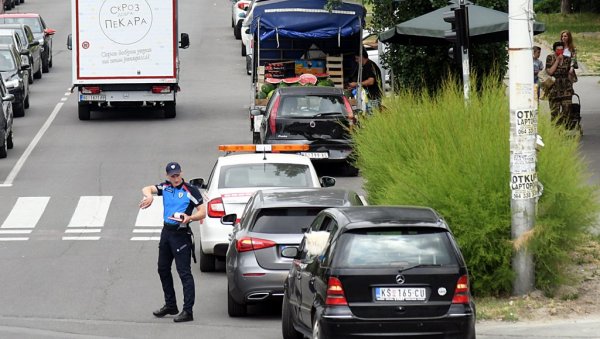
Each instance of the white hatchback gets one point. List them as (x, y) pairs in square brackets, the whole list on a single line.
[(235, 177)]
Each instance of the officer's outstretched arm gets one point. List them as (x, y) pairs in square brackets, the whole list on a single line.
[(148, 193)]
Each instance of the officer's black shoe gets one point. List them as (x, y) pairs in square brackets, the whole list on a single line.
[(165, 310), (183, 316)]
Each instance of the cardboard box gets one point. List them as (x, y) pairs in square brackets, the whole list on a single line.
[(310, 66)]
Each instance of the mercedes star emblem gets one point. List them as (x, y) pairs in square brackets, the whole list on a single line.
[(400, 279)]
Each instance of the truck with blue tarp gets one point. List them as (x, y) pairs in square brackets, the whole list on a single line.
[(290, 37)]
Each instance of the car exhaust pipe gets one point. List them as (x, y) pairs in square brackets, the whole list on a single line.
[(257, 296)]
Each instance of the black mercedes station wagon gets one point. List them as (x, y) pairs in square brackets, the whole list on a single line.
[(378, 271)]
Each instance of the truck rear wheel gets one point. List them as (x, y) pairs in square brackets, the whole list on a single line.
[(170, 110), (84, 111)]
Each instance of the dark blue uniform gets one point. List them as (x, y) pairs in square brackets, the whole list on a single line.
[(176, 242)]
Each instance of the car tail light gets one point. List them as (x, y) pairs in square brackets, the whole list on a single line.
[(252, 244), (273, 116), (351, 117), (90, 90), (461, 292), (335, 293), (215, 208), (161, 89)]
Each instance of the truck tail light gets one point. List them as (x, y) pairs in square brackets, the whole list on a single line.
[(247, 244), (90, 90), (335, 293), (161, 89), (461, 292), (215, 208), (242, 5)]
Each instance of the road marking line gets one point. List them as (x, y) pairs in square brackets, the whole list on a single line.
[(68, 93), (144, 238), (26, 212), (89, 230), (64, 99), (17, 168), (14, 239), (15, 231), (151, 216), (91, 211), (80, 238), (146, 231)]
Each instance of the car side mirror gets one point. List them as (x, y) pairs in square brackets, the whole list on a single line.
[(25, 67), (34, 43), (290, 252), (185, 41), (25, 61), (198, 182), (229, 219), (24, 51), (327, 181), (70, 42), (49, 31), (255, 112), (8, 97)]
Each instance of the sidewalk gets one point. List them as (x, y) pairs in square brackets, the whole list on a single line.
[(585, 327)]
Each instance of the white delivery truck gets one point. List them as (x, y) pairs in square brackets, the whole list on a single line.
[(125, 53)]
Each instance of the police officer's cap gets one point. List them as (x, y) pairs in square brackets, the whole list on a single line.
[(173, 168)]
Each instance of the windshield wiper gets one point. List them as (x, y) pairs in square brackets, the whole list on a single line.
[(326, 114), (416, 266)]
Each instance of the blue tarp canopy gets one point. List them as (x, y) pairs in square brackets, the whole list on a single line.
[(306, 19)]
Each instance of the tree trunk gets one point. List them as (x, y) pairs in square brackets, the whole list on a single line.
[(565, 6)]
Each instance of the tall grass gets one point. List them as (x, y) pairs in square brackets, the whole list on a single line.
[(439, 152)]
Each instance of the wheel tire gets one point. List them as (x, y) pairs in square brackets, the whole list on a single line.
[(9, 141), (45, 64), (237, 31), (22, 1), (38, 74), (350, 170), (84, 111), (287, 325), (50, 58), (234, 309), (170, 110), (255, 138), (243, 49), (316, 329), (26, 102), (30, 77), (19, 110), (3, 147), (207, 261)]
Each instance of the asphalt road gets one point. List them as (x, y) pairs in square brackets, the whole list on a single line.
[(106, 287)]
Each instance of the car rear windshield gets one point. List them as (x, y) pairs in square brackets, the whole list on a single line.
[(312, 106), (7, 63), (284, 220), (394, 247), (33, 23), (265, 175)]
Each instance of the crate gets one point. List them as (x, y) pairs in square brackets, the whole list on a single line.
[(335, 69)]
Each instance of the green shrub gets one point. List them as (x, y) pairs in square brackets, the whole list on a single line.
[(439, 152), (547, 6)]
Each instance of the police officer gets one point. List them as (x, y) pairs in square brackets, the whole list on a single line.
[(182, 204)]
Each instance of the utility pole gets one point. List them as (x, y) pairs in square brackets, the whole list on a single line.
[(523, 133), (458, 18)]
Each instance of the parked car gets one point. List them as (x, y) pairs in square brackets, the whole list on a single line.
[(40, 30), (234, 178), (8, 37), (378, 271), (319, 117), (238, 11), (6, 121), (33, 47), (10, 4), (272, 221), (15, 73)]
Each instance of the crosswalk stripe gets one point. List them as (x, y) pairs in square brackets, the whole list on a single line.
[(14, 239), (26, 212), (138, 230), (91, 211), (93, 230), (151, 216), (80, 238), (144, 238), (15, 231)]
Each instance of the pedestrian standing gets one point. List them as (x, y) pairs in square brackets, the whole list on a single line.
[(561, 93), (370, 80), (182, 204), (538, 66)]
